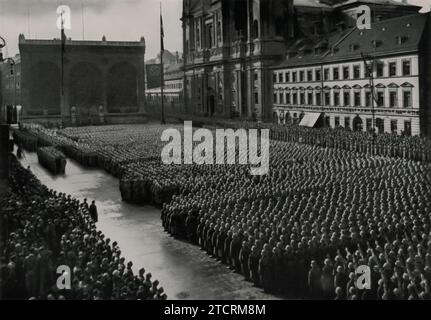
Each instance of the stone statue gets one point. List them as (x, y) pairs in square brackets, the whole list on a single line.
[(101, 114), (73, 115)]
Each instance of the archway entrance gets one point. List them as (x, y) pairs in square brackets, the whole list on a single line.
[(358, 124), (122, 88), (86, 88), (211, 104), (46, 87), (380, 125)]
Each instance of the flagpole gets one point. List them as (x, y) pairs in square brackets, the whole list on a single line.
[(162, 82), (62, 68)]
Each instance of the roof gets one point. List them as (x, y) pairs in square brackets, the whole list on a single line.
[(392, 36), (376, 2)]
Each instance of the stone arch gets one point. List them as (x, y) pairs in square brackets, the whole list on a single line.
[(46, 87), (86, 86), (122, 88), (358, 124)]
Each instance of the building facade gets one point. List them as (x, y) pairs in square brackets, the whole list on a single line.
[(10, 85), (94, 75), (331, 79), (230, 46), (173, 91)]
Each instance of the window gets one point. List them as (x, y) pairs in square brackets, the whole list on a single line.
[(392, 69), (407, 128), (357, 98), (287, 77), (394, 126), (256, 98), (219, 30), (294, 98), (281, 97), (406, 68), (356, 72), (368, 98), (317, 75), (336, 98), (346, 97), (294, 76), (407, 99), (310, 98), (301, 76), (393, 99), (326, 74), (274, 78), (327, 98), (380, 99), (288, 98), (369, 124), (346, 122), (336, 73), (346, 73), (198, 34), (328, 121), (309, 75), (337, 121), (209, 30), (318, 99), (380, 68), (302, 98), (280, 77)]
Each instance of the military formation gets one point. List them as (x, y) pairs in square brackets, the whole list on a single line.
[(42, 229), (304, 229), (52, 159), (333, 201)]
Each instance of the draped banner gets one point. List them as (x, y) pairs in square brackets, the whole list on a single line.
[(153, 72)]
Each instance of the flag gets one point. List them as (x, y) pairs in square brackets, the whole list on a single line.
[(63, 51), (63, 41), (154, 75), (162, 33), (63, 36)]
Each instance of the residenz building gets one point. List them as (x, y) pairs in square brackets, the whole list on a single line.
[(235, 50), (328, 81)]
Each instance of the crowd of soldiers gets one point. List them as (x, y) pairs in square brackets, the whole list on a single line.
[(415, 148), (52, 159), (326, 208), (42, 230), (320, 214)]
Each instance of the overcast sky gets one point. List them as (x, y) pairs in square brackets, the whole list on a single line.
[(116, 19)]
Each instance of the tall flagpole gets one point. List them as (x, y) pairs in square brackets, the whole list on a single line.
[(62, 66), (162, 76)]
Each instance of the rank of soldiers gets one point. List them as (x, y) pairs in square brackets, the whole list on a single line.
[(52, 159)]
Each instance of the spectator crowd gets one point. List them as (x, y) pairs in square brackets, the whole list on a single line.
[(42, 230)]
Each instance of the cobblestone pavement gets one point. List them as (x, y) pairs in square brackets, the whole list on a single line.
[(184, 271)]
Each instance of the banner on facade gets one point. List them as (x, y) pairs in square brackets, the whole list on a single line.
[(154, 76)]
